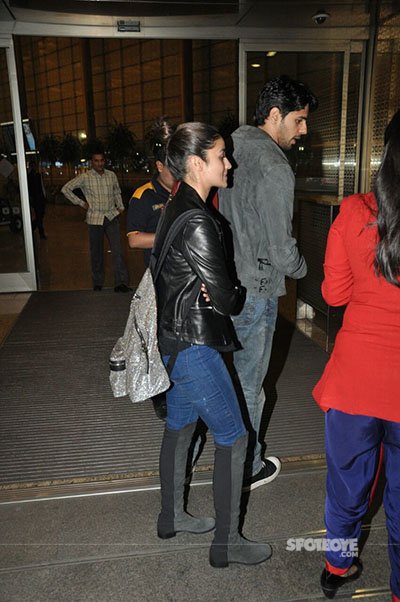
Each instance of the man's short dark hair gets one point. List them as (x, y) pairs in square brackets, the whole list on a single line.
[(286, 94)]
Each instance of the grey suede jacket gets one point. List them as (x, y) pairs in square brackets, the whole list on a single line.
[(259, 208)]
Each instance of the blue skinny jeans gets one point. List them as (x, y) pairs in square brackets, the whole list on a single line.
[(202, 388)]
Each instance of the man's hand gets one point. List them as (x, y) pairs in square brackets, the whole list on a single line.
[(121, 210), (85, 205)]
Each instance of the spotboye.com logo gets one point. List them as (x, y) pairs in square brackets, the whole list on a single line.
[(348, 548)]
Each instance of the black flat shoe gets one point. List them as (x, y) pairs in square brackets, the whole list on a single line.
[(330, 582), (122, 288)]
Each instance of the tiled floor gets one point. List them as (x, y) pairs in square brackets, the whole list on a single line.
[(63, 259), (11, 305), (311, 330)]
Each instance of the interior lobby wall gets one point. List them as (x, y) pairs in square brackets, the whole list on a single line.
[(132, 82)]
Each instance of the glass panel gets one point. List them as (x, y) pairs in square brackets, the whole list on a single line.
[(12, 243), (316, 159), (351, 154), (386, 77)]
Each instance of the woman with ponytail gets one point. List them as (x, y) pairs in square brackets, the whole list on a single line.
[(360, 387), (195, 298)]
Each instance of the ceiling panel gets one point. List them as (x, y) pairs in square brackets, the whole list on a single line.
[(137, 8)]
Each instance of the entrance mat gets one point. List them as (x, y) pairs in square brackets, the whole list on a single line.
[(60, 422)]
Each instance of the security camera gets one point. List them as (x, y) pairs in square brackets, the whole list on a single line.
[(320, 17)]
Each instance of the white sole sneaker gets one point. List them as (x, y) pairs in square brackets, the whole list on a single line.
[(258, 482)]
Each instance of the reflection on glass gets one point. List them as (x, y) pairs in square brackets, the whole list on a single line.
[(12, 243)]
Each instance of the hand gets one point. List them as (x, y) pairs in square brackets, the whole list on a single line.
[(86, 205), (121, 210), (204, 292)]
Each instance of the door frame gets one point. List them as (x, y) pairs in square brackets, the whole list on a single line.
[(19, 281), (300, 46)]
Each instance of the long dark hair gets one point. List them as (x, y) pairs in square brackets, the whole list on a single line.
[(387, 192), (192, 138)]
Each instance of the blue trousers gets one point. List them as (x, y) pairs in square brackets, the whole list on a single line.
[(255, 327), (202, 388), (353, 446)]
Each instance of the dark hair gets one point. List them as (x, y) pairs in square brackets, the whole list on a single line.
[(97, 151), (284, 93), (387, 192), (158, 136), (192, 138)]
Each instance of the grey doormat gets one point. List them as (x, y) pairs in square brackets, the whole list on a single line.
[(60, 423)]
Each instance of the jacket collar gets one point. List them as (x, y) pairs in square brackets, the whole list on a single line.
[(160, 190), (189, 196), (252, 132)]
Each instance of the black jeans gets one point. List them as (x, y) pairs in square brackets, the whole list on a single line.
[(96, 241)]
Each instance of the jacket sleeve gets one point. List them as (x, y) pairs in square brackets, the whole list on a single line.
[(203, 250), (337, 286), (72, 185), (276, 215)]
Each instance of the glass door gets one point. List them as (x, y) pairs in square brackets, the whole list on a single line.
[(326, 161), (17, 265)]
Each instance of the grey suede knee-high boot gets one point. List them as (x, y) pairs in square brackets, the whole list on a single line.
[(173, 459), (228, 545)]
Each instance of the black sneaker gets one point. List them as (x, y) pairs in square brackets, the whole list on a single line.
[(122, 288), (270, 469)]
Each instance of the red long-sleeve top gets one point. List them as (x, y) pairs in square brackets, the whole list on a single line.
[(362, 375)]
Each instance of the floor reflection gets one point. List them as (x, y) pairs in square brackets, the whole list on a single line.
[(12, 251), (63, 259)]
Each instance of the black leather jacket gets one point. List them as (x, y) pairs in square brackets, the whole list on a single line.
[(196, 256)]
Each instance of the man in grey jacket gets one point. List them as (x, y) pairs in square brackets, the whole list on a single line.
[(259, 207)]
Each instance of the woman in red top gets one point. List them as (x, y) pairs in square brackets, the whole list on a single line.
[(360, 387)]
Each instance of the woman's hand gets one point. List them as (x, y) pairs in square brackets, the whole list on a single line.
[(204, 292)]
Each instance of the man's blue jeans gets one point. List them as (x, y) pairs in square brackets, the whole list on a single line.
[(202, 388), (255, 327)]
